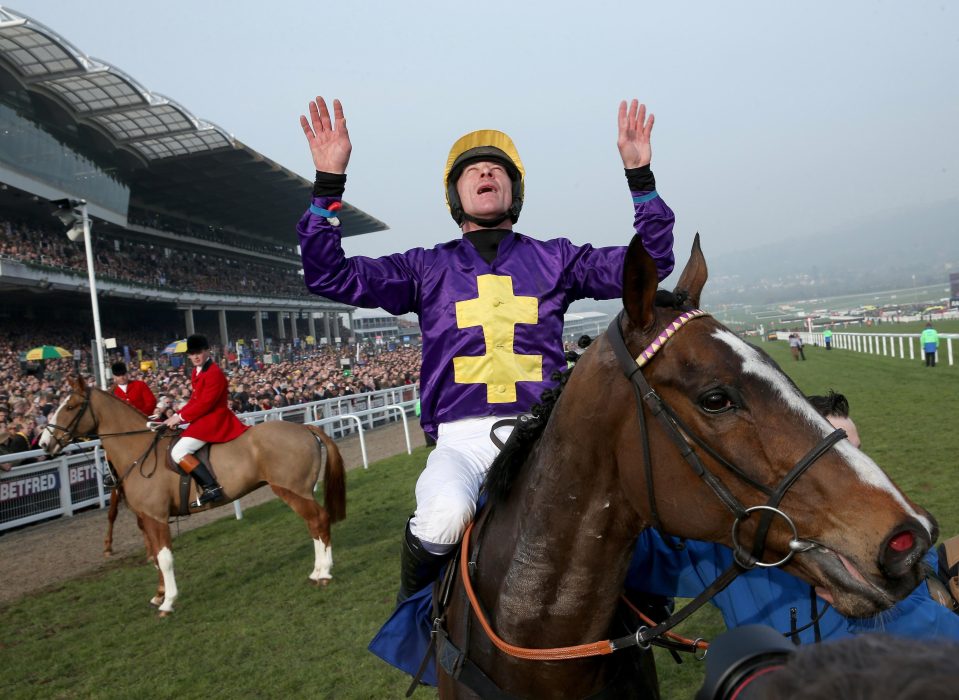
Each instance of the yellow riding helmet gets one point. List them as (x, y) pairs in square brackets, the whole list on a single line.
[(486, 144)]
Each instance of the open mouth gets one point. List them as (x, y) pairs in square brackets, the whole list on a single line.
[(846, 589), (485, 188)]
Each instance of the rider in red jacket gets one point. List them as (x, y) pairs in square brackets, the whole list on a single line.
[(135, 392), (209, 417)]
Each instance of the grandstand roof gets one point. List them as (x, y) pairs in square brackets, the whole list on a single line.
[(175, 162)]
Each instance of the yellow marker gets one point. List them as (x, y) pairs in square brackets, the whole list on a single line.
[(497, 310)]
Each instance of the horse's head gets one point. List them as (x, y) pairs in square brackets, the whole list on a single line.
[(72, 419), (762, 444)]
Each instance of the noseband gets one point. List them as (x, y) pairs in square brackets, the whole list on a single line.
[(681, 435), (68, 430)]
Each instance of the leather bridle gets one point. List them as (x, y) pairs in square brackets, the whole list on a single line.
[(681, 436)]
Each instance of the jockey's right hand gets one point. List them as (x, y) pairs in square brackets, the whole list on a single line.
[(329, 141)]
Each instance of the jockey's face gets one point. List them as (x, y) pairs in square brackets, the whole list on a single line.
[(198, 357), (485, 190)]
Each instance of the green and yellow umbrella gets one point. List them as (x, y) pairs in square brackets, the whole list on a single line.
[(46, 352), (175, 347)]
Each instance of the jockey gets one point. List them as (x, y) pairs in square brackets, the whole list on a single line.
[(490, 304), (209, 417), (135, 393)]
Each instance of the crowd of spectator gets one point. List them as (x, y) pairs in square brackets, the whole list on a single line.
[(31, 391), (171, 224), (149, 264)]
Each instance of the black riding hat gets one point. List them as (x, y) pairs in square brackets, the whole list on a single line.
[(118, 369), (196, 343)]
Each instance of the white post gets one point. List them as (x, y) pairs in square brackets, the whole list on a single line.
[(88, 247), (902, 354), (949, 349), (884, 345), (912, 355)]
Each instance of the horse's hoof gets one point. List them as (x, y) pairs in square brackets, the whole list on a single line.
[(108, 553), (156, 602), (320, 583), (164, 613)]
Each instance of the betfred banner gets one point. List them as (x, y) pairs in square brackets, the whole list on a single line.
[(28, 486)]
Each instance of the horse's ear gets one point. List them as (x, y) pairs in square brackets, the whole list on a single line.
[(694, 274), (77, 384), (639, 285)]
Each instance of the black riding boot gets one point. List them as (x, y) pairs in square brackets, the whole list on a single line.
[(418, 568), (212, 491)]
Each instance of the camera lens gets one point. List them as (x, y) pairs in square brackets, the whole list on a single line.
[(738, 657)]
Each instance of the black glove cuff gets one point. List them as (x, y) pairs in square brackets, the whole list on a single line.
[(640, 179), (329, 184)]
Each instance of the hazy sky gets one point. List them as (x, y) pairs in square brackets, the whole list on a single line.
[(773, 120)]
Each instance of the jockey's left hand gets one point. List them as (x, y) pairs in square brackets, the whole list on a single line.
[(634, 133)]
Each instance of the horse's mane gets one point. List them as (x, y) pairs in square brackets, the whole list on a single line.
[(508, 463)]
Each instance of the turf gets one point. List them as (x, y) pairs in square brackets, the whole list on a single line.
[(248, 625)]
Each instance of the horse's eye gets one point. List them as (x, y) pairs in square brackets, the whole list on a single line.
[(716, 401)]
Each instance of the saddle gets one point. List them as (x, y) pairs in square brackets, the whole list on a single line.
[(203, 454)]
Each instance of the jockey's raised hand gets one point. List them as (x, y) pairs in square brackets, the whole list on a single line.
[(329, 141), (634, 132)]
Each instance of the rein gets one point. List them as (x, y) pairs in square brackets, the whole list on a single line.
[(646, 397), (68, 431)]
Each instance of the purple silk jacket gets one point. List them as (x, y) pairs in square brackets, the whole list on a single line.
[(492, 333)]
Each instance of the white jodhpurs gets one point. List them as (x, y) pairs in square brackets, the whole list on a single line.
[(448, 487), (185, 446)]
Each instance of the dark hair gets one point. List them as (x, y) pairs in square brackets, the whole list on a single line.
[(832, 404), (866, 667)]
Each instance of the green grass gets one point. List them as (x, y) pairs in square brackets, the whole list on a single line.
[(248, 625)]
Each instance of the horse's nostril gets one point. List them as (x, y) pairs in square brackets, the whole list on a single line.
[(902, 542)]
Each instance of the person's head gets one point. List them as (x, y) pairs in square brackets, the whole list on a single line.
[(119, 370), (835, 408), (484, 180), (197, 349)]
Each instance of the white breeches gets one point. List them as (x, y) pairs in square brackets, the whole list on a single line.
[(449, 486), (185, 446)]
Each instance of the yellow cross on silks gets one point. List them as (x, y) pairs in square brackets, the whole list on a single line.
[(497, 310)]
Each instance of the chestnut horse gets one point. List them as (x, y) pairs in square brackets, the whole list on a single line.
[(287, 456), (548, 554)]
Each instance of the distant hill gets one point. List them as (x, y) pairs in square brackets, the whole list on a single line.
[(879, 253), (882, 252)]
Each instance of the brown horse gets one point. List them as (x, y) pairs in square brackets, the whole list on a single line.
[(286, 456), (548, 554)]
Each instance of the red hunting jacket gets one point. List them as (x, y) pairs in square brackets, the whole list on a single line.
[(207, 412), (138, 395)]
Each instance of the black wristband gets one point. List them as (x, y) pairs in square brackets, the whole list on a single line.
[(640, 179), (329, 184)]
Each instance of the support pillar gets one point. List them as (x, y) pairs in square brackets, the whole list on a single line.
[(311, 326), (258, 321), (188, 315), (293, 331), (224, 336), (326, 328), (280, 327), (350, 331)]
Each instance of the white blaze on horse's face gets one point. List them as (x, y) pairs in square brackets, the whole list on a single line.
[(864, 468), (46, 437)]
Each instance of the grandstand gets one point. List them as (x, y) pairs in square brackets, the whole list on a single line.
[(193, 230)]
